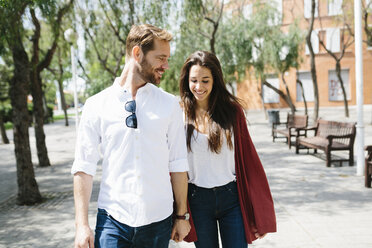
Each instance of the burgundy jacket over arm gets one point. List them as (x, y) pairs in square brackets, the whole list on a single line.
[(255, 198)]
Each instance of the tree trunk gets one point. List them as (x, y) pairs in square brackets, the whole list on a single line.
[(3, 131), (63, 100), (28, 190), (288, 96), (60, 86), (312, 63), (303, 95), (47, 116), (338, 72), (280, 93), (38, 111)]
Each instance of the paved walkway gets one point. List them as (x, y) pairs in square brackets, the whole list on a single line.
[(316, 206)]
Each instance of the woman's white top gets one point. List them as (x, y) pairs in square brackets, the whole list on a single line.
[(208, 169)]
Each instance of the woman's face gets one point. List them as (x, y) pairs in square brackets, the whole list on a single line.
[(201, 83)]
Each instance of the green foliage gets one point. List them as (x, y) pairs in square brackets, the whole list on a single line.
[(50, 92), (106, 25), (6, 112), (69, 99)]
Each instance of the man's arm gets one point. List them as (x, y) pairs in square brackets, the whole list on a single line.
[(179, 184), (83, 184)]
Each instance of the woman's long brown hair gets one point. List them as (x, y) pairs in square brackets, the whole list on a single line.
[(222, 105)]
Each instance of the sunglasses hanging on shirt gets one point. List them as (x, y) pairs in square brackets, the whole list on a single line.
[(131, 121)]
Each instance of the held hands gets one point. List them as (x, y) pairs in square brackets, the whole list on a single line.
[(256, 234), (180, 230), (84, 237)]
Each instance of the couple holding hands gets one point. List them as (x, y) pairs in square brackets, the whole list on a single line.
[(170, 169)]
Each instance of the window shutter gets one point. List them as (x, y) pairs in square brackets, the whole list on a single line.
[(307, 8), (334, 7), (247, 11), (333, 39)]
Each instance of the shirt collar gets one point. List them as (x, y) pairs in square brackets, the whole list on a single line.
[(121, 91)]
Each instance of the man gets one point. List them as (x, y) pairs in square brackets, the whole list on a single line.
[(138, 129)]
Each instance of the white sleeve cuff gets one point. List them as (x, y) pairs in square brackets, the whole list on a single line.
[(84, 166), (180, 165)]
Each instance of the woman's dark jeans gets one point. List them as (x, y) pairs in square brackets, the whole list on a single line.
[(217, 205), (112, 234)]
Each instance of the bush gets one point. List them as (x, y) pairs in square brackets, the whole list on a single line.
[(6, 112)]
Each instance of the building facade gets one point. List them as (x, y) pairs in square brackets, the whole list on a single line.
[(329, 28)]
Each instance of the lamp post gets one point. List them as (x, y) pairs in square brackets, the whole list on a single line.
[(359, 85), (71, 37)]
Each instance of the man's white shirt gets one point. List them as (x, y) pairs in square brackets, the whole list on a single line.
[(135, 186)]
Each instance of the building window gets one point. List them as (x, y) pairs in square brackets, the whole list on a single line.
[(307, 8), (333, 39), (270, 96), (277, 19), (247, 11), (334, 86), (257, 46), (334, 7), (314, 43), (307, 83)]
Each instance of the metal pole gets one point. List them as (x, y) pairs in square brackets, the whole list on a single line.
[(76, 102), (359, 86)]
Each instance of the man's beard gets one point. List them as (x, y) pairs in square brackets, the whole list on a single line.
[(147, 73)]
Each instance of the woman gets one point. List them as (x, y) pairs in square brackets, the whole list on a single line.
[(227, 184)]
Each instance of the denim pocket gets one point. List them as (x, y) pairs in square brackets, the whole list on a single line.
[(232, 188), (192, 192)]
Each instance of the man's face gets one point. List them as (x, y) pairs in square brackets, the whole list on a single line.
[(154, 64)]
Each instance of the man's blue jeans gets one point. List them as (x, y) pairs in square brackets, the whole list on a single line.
[(217, 205), (113, 234)]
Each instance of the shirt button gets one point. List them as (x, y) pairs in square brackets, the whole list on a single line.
[(137, 157), (136, 137)]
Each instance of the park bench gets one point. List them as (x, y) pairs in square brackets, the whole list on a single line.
[(368, 167), (329, 136), (289, 128)]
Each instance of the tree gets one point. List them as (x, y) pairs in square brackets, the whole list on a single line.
[(5, 76), (284, 55), (274, 51), (346, 39), (12, 34), (59, 74), (53, 14), (312, 60), (207, 13), (367, 10), (106, 24)]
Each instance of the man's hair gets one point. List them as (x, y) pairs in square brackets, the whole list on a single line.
[(144, 36)]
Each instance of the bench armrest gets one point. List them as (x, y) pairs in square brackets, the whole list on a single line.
[(306, 128), (331, 137), (304, 131), (368, 148), (275, 124), (339, 136)]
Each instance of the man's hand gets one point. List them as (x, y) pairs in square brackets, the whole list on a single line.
[(180, 230), (257, 234), (84, 237)]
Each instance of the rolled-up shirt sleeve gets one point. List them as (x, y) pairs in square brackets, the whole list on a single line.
[(177, 142), (88, 140)]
